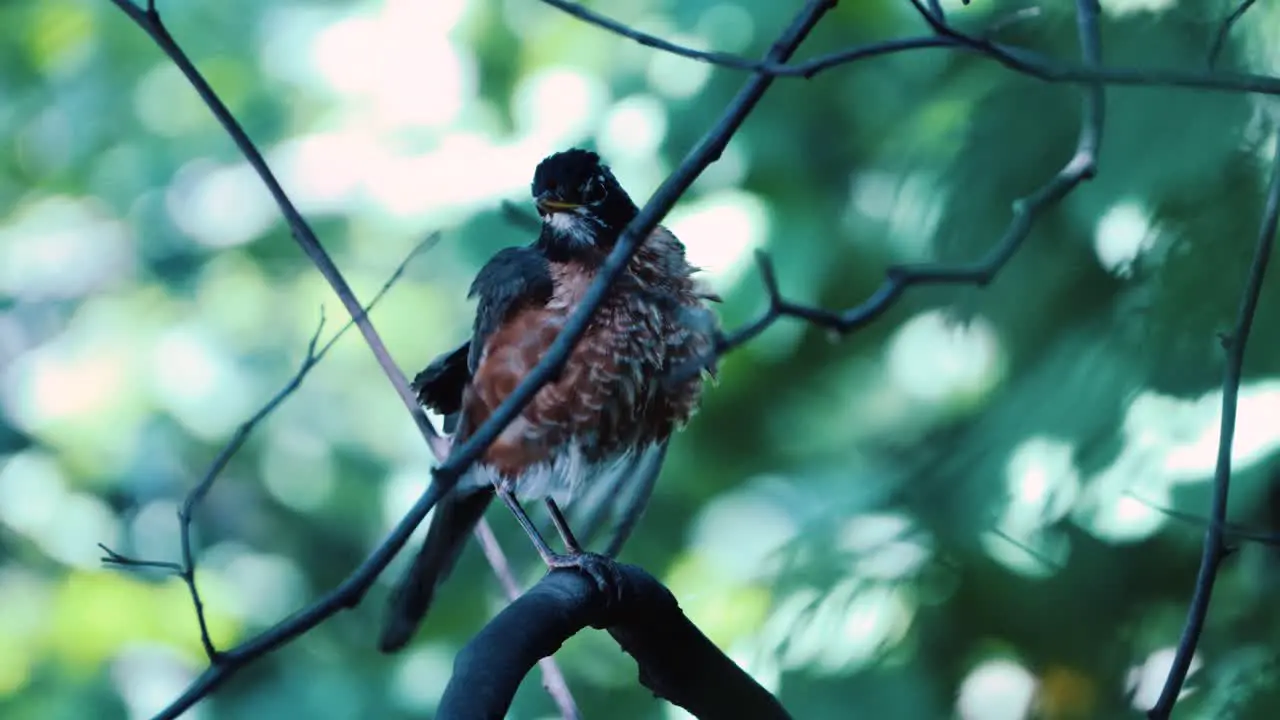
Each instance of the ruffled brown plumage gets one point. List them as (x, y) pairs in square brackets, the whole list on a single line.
[(610, 395)]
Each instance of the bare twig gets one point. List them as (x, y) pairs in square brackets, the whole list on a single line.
[(1214, 546), (186, 569), (1230, 530), (676, 661), (1080, 167), (935, 7), (946, 36), (1220, 39)]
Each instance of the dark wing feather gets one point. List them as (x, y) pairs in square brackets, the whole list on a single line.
[(439, 387), (454, 519), (515, 278)]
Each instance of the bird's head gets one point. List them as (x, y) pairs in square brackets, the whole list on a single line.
[(583, 208)]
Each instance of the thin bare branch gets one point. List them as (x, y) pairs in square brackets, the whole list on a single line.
[(186, 569), (1224, 30), (1214, 545), (935, 7), (150, 22), (1080, 167), (946, 36), (1230, 530)]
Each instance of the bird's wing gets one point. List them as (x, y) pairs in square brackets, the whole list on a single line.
[(514, 278), (439, 387)]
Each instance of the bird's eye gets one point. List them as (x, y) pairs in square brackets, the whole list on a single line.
[(594, 192)]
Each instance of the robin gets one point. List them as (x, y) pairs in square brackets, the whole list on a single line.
[(609, 414)]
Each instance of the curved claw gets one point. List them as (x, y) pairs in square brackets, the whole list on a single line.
[(602, 570)]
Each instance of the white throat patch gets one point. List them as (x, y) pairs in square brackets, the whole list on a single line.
[(573, 225)]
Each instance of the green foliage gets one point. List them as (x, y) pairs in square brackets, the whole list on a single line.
[(970, 480)]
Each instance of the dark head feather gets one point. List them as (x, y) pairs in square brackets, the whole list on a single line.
[(566, 171), (583, 206)]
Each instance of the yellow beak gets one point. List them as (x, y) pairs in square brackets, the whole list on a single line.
[(546, 205)]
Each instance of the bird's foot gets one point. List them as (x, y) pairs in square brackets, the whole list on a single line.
[(602, 570)]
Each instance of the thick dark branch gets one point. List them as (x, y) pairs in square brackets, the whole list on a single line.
[(1214, 545), (1080, 167), (1220, 39), (676, 661)]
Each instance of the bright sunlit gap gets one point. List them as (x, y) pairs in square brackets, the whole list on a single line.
[(1042, 485), (61, 247), (257, 587), (843, 628), (1145, 680), (944, 364), (1169, 442), (421, 676), (220, 205), (149, 675), (997, 690), (720, 232), (1122, 8), (1123, 233), (66, 525), (908, 206)]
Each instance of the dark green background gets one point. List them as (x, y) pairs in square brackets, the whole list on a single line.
[(858, 548)]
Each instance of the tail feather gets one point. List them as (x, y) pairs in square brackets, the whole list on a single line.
[(455, 517)]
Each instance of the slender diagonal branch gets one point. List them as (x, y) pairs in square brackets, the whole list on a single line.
[(935, 7), (149, 21), (1214, 545)]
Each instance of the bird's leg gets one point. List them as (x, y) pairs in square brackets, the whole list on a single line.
[(522, 517), (562, 527), (599, 568)]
